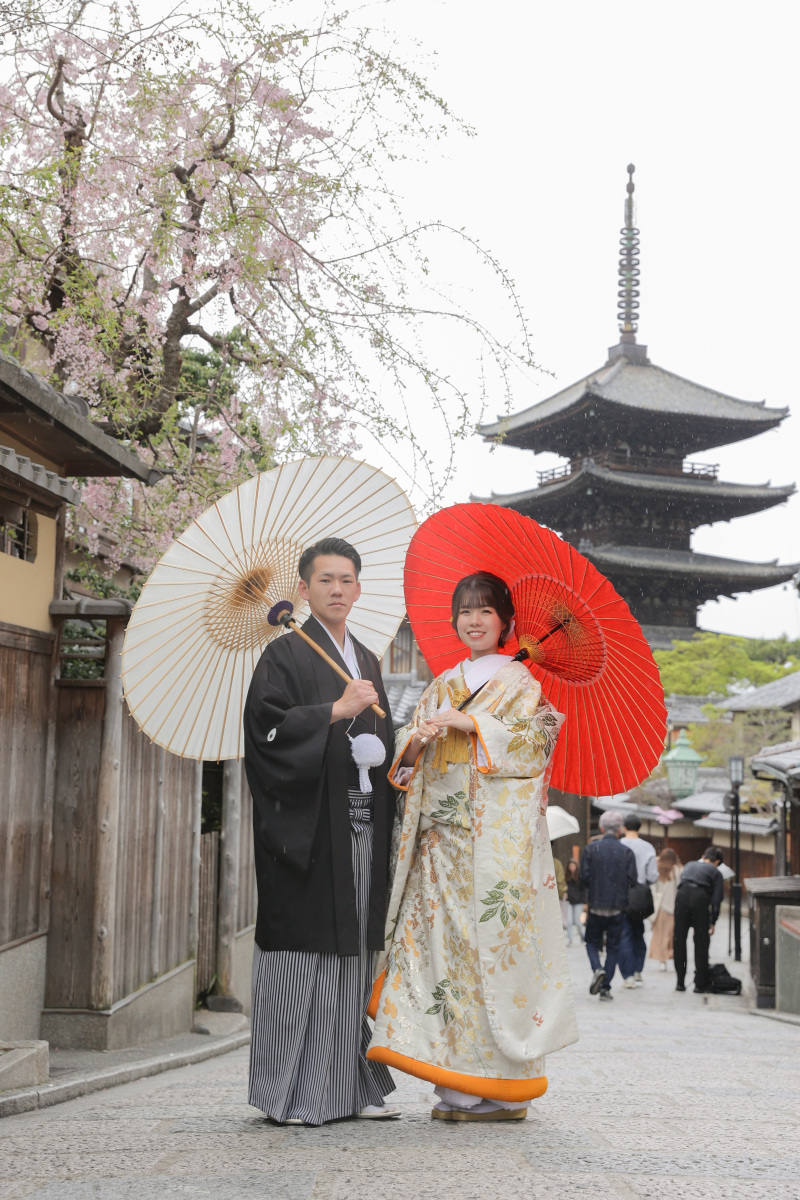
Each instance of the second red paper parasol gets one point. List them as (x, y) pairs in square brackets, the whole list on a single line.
[(586, 649)]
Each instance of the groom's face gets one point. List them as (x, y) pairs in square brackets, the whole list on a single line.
[(332, 589)]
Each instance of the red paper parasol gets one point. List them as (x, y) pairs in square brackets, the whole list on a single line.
[(586, 649)]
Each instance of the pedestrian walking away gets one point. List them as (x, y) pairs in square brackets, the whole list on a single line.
[(322, 834), (608, 871), (665, 890), (646, 874), (697, 905), (576, 900)]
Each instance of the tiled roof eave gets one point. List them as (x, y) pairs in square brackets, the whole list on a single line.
[(683, 485), (33, 473), (692, 400), (689, 563)]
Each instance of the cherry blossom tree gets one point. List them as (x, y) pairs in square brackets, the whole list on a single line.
[(198, 237)]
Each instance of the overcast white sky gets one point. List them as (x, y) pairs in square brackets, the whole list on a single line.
[(702, 98)]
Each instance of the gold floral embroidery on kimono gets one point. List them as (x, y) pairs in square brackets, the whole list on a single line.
[(476, 988)]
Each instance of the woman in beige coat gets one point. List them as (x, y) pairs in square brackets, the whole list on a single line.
[(664, 891)]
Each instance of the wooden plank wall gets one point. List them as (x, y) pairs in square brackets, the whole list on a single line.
[(25, 665), (79, 731), (79, 723), (142, 763), (247, 900)]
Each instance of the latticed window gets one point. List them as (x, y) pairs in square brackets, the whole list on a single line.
[(17, 532)]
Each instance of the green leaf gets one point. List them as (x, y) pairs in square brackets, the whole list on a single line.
[(487, 916), (433, 1010)]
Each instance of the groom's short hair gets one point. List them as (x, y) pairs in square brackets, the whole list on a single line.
[(328, 545)]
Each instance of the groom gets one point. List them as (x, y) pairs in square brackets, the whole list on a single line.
[(322, 858)]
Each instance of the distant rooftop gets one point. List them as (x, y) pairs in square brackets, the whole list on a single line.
[(780, 693)]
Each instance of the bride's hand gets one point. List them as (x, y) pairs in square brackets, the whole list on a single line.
[(427, 731), (453, 719)]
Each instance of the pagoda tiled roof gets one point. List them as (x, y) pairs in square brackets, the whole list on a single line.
[(745, 496), (688, 563), (646, 388)]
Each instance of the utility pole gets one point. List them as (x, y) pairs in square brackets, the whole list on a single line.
[(736, 771)]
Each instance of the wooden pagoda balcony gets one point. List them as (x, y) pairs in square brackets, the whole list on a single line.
[(643, 464)]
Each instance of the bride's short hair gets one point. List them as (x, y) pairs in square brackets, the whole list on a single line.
[(482, 588)]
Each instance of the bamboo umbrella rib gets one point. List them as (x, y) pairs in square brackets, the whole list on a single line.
[(333, 512), (227, 693), (310, 510), (195, 570), (181, 652), (623, 694), (599, 712), (169, 699), (170, 583), (359, 502), (272, 496), (613, 700), (225, 558), (255, 510), (188, 608), (317, 518), (208, 679)]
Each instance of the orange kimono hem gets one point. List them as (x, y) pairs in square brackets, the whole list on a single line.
[(374, 1000), (510, 1090)]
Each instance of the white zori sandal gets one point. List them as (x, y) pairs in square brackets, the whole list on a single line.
[(378, 1112)]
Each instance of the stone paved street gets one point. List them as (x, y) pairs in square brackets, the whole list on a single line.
[(665, 1096)]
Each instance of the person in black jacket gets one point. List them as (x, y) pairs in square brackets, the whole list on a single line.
[(697, 905), (322, 842), (608, 870)]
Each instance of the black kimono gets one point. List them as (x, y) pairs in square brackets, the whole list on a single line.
[(322, 858)]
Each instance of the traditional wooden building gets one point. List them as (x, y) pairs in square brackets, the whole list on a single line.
[(114, 905), (628, 496)]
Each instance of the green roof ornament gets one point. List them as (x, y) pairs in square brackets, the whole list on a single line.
[(682, 763)]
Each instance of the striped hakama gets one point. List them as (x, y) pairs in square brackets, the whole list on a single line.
[(309, 1026)]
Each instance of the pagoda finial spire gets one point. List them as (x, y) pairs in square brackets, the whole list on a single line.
[(628, 294)]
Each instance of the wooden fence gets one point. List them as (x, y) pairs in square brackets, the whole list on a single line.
[(155, 848), (25, 789)]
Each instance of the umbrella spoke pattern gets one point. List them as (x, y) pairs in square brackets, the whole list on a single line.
[(200, 624), (585, 647)]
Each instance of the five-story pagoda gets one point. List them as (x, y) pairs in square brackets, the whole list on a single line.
[(627, 497)]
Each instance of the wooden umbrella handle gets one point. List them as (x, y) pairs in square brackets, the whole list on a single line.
[(328, 659)]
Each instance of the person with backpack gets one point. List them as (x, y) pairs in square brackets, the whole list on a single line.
[(646, 874), (697, 905)]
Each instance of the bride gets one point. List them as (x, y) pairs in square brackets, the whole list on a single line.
[(475, 989)]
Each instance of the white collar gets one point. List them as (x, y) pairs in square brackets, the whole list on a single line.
[(348, 653)]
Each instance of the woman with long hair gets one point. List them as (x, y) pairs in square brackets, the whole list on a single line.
[(665, 890), (476, 989)]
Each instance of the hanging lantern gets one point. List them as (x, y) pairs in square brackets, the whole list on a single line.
[(682, 763)]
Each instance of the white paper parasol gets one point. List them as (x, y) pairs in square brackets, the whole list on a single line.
[(560, 822), (200, 624)]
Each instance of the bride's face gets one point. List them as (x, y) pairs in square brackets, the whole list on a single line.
[(480, 629)]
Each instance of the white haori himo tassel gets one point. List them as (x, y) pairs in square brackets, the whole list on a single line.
[(368, 751)]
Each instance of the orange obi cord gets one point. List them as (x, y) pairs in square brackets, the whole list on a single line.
[(510, 1090), (374, 1000)]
